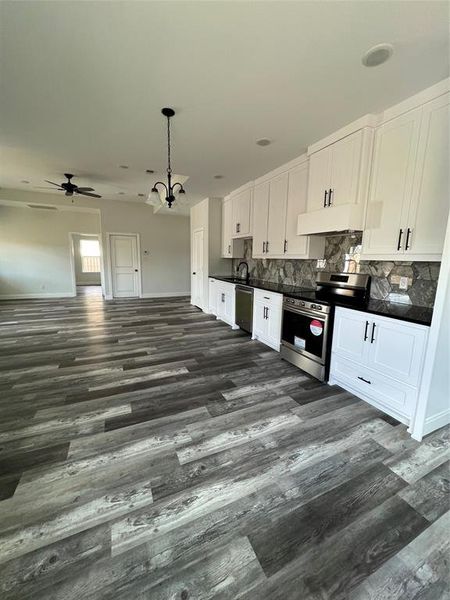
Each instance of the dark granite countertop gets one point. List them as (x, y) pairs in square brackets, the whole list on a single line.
[(420, 315), (396, 310)]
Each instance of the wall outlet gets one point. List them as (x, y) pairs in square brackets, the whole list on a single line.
[(321, 263), (403, 283)]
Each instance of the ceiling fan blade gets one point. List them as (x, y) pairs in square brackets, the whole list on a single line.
[(87, 194), (42, 187), (52, 182), (85, 189)]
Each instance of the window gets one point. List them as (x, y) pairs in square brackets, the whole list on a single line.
[(90, 256)]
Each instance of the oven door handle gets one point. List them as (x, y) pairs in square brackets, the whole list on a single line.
[(306, 313)]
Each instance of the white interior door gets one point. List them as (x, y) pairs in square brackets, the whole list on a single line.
[(197, 294), (124, 266)]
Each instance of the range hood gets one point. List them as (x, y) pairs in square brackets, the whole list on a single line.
[(343, 219)]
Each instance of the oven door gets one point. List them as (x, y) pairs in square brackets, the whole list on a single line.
[(305, 332)]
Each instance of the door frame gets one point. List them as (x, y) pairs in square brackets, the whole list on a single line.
[(72, 260), (108, 235)]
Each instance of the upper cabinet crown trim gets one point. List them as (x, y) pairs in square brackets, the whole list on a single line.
[(367, 121), (422, 97), (296, 162), (247, 186)]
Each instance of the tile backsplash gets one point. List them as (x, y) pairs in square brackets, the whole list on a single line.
[(342, 253)]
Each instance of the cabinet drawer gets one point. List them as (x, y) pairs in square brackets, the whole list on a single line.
[(269, 298), (390, 396)]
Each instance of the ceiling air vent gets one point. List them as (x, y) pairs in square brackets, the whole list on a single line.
[(42, 206)]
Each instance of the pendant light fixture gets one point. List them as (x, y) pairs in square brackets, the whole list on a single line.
[(171, 191)]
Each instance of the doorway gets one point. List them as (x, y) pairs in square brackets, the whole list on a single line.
[(87, 264), (125, 265)]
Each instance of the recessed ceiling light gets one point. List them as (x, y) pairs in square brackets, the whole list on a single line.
[(218, 176), (121, 193), (25, 181), (149, 171), (141, 195), (377, 55), (123, 166), (263, 142)]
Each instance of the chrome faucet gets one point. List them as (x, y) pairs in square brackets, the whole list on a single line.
[(246, 272)]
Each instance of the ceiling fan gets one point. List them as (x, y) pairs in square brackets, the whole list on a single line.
[(70, 188)]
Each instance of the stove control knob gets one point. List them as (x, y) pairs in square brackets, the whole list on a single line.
[(313, 306), (318, 307), (302, 304)]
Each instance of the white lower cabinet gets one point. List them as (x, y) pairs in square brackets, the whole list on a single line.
[(267, 311), (225, 302), (379, 359)]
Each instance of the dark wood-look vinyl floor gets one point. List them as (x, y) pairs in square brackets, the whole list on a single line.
[(147, 451)]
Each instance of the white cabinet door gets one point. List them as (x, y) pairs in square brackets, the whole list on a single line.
[(273, 318), (396, 144), (277, 215), (259, 320), (350, 334), (345, 162), (227, 208), (319, 178), (260, 218), (431, 194), (296, 245), (242, 208), (397, 349)]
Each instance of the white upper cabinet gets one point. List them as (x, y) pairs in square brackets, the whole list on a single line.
[(231, 248), (345, 164), (260, 219), (430, 198), (338, 181), (276, 222), (278, 200), (319, 179), (409, 192), (242, 213)]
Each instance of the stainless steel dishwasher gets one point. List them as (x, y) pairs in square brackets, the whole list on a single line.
[(244, 308)]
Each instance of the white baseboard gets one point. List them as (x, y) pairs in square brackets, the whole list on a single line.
[(164, 294), (37, 296), (436, 421)]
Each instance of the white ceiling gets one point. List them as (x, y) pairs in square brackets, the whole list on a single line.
[(82, 84)]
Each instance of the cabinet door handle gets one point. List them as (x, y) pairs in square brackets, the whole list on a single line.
[(408, 234), (193, 273), (372, 337), (325, 199), (223, 297), (229, 249), (267, 312), (399, 243), (264, 247), (365, 331), (330, 200), (239, 228), (267, 246), (365, 380)]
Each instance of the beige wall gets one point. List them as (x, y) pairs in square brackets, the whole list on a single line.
[(35, 252), (164, 241)]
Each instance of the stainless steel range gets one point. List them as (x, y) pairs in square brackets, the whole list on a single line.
[(308, 319)]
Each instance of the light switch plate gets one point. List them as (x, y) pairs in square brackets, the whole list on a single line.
[(403, 284)]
